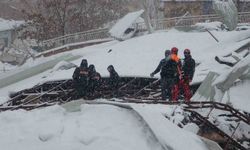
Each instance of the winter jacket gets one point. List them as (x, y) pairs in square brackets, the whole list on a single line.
[(114, 79), (94, 76), (168, 68), (80, 75), (188, 67)]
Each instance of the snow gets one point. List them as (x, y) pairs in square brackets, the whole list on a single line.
[(209, 25), (94, 126), (63, 65), (110, 127), (226, 123), (239, 95), (228, 11), (124, 23), (174, 137), (191, 127), (9, 24), (140, 56)]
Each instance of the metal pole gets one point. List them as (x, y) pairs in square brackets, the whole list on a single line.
[(231, 136), (212, 35)]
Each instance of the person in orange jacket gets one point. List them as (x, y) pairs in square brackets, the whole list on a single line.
[(185, 74), (176, 87)]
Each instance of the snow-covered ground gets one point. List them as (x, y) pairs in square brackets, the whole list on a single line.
[(94, 127), (110, 127)]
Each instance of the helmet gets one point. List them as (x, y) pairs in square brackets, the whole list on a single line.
[(92, 67), (167, 53), (174, 50), (84, 63), (110, 68), (187, 51)]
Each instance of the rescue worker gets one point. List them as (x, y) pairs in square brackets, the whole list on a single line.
[(168, 68), (94, 79), (80, 78), (114, 78), (188, 69), (177, 84)]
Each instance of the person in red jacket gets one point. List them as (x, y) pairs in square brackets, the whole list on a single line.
[(186, 73), (176, 87)]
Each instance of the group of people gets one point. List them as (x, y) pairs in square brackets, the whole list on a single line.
[(176, 74), (86, 79)]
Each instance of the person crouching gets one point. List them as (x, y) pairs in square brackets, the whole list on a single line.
[(80, 78)]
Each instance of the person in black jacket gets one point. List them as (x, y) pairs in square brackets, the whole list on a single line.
[(114, 78), (188, 69), (94, 79), (80, 78), (168, 68)]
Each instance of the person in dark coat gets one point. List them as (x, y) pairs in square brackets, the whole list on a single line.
[(80, 78), (168, 68), (188, 69), (114, 78), (94, 79)]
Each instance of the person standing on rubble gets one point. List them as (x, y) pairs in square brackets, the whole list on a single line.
[(114, 78), (188, 69), (178, 79), (168, 68), (113, 81), (81, 78), (94, 79)]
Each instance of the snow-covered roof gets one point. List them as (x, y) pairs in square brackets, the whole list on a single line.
[(9, 24), (124, 23)]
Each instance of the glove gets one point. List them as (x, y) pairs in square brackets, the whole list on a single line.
[(151, 75)]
